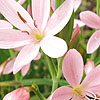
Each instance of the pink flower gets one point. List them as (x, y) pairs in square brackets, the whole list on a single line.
[(36, 33), (73, 71), (18, 94), (92, 20), (24, 69), (89, 66)]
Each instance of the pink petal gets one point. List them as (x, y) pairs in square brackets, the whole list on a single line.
[(38, 56), (92, 79), (53, 46), (76, 32), (5, 25), (18, 94), (9, 67), (79, 22), (10, 9), (60, 18), (94, 42), (25, 69), (90, 19), (13, 38), (95, 89), (77, 4), (72, 67), (40, 11), (89, 66), (53, 5), (29, 10), (26, 55), (62, 93)]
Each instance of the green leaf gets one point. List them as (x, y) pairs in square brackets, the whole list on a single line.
[(58, 3), (66, 33)]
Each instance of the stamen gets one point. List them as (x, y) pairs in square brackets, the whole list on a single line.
[(35, 23), (26, 32), (21, 17)]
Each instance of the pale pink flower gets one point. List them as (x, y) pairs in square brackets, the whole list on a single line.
[(24, 69), (34, 33), (89, 66), (73, 71), (92, 20), (9, 68), (18, 94)]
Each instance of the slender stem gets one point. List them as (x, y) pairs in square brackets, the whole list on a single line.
[(53, 72), (12, 55), (93, 55), (98, 6), (35, 89), (51, 66), (59, 74)]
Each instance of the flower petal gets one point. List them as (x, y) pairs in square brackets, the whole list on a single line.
[(89, 66), (72, 67), (53, 5), (40, 11), (38, 56), (95, 89), (90, 19), (25, 69), (10, 10), (53, 46), (92, 79), (60, 18), (79, 22), (13, 38), (62, 93), (26, 55), (18, 94), (77, 4), (5, 25), (9, 67), (94, 42)]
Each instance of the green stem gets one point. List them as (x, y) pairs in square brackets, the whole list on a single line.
[(12, 55), (51, 66), (93, 55), (37, 92), (52, 70), (59, 74), (98, 6)]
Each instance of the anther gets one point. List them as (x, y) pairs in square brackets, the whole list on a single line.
[(26, 32), (19, 15)]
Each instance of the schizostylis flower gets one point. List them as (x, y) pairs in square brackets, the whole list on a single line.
[(92, 20), (34, 33), (73, 71)]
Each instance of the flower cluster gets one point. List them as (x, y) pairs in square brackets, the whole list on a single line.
[(49, 28)]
